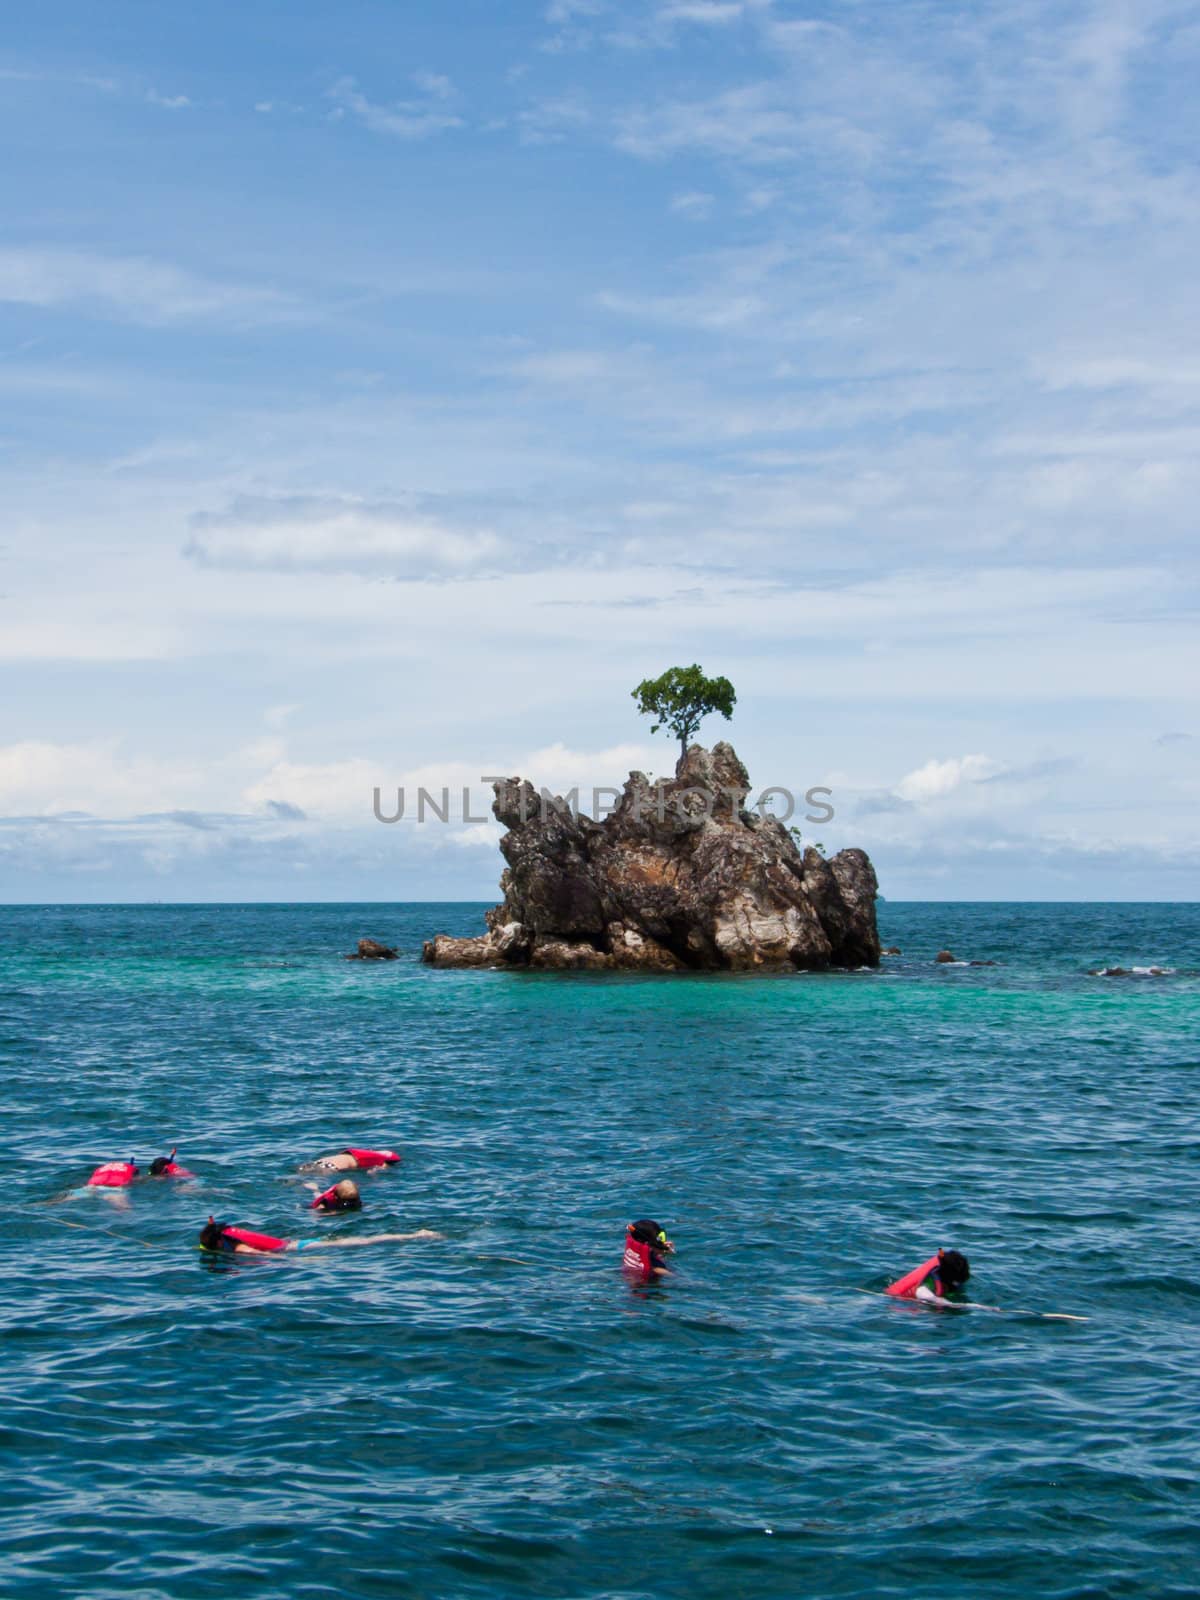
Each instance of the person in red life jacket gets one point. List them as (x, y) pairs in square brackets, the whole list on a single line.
[(939, 1280), (352, 1160), (225, 1238), (168, 1167), (646, 1245), (343, 1196), (113, 1175)]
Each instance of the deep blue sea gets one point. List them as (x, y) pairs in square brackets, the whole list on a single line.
[(502, 1413)]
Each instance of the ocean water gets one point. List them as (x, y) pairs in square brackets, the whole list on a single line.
[(501, 1413)]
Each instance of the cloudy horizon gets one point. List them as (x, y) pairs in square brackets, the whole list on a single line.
[(383, 394)]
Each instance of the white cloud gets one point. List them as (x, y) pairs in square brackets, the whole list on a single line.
[(299, 534), (560, 11), (706, 13), (435, 84), (52, 638), (938, 778), (692, 203), (43, 778), (550, 120), (481, 836), (168, 102), (401, 119), (752, 122), (714, 311), (558, 767), (321, 789), (131, 288), (571, 366), (344, 790), (1118, 372)]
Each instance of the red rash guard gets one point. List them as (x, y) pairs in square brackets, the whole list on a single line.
[(112, 1175), (905, 1288), (373, 1158), (257, 1241)]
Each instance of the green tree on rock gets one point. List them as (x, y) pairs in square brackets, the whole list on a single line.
[(681, 698)]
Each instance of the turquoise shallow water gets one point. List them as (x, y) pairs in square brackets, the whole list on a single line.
[(434, 1420)]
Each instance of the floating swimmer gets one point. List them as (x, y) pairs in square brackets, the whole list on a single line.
[(343, 1196), (939, 1280), (120, 1174), (645, 1247), (352, 1160), (221, 1237)]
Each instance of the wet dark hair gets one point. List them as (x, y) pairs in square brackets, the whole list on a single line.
[(953, 1269), (646, 1231), (212, 1235), (159, 1165)]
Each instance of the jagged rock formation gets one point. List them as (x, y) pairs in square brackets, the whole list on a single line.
[(679, 876)]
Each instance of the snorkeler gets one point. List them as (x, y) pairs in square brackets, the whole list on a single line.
[(343, 1196), (645, 1247), (220, 1236), (940, 1279), (352, 1160), (120, 1174)]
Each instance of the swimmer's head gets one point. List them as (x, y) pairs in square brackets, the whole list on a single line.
[(160, 1164), (212, 1235), (343, 1196), (953, 1269), (647, 1232)]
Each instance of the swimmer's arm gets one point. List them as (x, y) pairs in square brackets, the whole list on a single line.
[(922, 1293)]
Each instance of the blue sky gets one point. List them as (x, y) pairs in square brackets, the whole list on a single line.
[(386, 388)]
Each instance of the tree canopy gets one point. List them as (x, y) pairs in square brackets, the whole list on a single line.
[(681, 698)]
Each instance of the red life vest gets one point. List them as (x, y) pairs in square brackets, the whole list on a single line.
[(112, 1175), (329, 1198), (905, 1288), (637, 1257), (373, 1158), (257, 1241)]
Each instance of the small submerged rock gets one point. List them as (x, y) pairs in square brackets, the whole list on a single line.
[(372, 950), (946, 957), (891, 950)]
